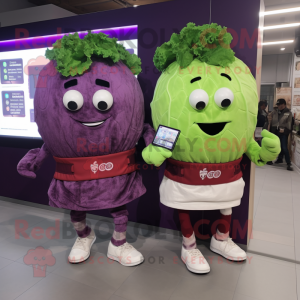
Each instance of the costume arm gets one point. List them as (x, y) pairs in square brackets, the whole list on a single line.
[(253, 151), (32, 161), (153, 155), (148, 134), (269, 150)]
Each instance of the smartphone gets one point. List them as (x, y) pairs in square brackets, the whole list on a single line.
[(166, 137)]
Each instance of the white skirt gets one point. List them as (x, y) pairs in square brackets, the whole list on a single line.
[(201, 197)]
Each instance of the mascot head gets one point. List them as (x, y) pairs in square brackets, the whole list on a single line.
[(88, 101)]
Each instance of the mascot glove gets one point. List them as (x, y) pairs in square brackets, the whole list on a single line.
[(153, 155), (270, 146), (32, 161), (26, 167)]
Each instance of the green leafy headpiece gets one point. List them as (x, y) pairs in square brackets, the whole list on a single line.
[(209, 43), (74, 55)]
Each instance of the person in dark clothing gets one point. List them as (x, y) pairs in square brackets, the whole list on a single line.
[(281, 124), (262, 114), (261, 118)]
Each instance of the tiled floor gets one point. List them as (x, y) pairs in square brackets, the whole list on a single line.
[(276, 226), (162, 275)]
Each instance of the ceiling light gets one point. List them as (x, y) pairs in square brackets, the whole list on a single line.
[(282, 49), (280, 26), (278, 42), (280, 11), (135, 5)]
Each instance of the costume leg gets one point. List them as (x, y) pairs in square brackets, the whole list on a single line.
[(189, 240), (120, 215), (190, 255), (78, 218), (224, 225), (118, 249), (221, 243), (81, 249)]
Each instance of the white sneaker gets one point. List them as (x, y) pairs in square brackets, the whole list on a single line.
[(125, 254), (227, 249), (82, 248), (194, 261)]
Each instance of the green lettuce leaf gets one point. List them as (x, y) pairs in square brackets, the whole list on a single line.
[(74, 55), (209, 43)]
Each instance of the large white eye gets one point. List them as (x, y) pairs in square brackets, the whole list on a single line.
[(73, 100), (103, 100), (198, 99), (224, 97)]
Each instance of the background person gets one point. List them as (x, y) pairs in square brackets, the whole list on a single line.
[(262, 114), (262, 120), (281, 121)]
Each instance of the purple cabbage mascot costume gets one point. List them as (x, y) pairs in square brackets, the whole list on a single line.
[(89, 109)]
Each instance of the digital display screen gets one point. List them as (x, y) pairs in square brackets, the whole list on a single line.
[(166, 137), (11, 71), (19, 73)]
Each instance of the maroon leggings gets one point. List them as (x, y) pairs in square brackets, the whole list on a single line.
[(187, 228), (119, 214)]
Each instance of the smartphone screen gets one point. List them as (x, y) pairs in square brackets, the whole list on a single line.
[(166, 137)]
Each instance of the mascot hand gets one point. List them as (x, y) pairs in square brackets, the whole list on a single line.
[(270, 146), (153, 155), (27, 165)]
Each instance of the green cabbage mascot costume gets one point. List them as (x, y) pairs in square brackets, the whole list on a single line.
[(211, 97)]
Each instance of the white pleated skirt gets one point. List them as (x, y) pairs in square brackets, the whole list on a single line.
[(201, 197)]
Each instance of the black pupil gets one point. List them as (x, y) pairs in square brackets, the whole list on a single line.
[(225, 103), (200, 105), (102, 105), (72, 105)]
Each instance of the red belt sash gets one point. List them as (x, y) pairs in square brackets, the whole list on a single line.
[(203, 174), (95, 167)]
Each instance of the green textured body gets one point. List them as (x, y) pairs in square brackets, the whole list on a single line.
[(170, 107), (210, 96)]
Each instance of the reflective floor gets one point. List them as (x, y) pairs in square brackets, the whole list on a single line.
[(162, 275), (276, 226)]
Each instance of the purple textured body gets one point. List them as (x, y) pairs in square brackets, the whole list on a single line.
[(65, 134)]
